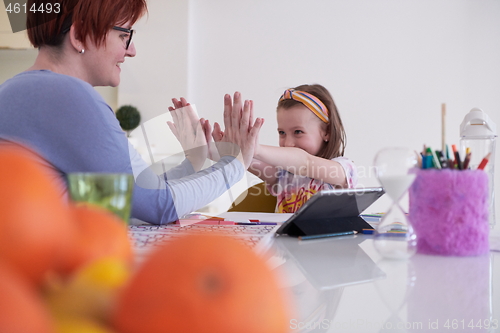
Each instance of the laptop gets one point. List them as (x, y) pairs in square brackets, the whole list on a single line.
[(332, 211)]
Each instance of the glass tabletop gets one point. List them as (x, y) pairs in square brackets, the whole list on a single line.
[(341, 284)]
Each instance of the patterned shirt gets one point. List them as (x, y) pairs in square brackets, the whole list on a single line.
[(293, 190)]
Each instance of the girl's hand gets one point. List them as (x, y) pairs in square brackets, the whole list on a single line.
[(257, 145), (188, 129), (241, 132), (213, 154), (217, 134)]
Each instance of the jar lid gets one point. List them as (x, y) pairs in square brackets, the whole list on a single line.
[(477, 124)]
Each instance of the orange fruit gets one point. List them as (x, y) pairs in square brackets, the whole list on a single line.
[(99, 234), (81, 325), (202, 283), (22, 309), (35, 222), (90, 292)]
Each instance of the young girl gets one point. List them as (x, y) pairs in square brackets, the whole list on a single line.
[(310, 156)]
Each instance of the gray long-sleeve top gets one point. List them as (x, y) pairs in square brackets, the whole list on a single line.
[(69, 124)]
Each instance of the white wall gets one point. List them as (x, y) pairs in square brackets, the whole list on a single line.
[(159, 72), (388, 63), (13, 62)]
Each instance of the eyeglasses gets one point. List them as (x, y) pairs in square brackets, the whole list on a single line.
[(127, 41), (130, 32)]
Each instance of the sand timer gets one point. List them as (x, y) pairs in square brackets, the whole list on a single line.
[(394, 237)]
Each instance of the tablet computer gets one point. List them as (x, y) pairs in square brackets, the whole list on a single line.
[(332, 211), (329, 265)]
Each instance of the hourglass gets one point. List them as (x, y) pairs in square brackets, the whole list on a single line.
[(395, 291), (394, 237)]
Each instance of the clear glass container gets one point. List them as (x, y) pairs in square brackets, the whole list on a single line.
[(394, 237), (478, 135)]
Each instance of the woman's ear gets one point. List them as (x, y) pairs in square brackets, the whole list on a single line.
[(75, 41)]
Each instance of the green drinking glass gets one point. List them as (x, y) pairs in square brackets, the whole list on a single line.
[(111, 191)]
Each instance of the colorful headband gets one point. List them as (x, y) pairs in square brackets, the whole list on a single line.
[(310, 101)]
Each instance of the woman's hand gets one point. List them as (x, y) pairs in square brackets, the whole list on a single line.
[(188, 129), (241, 132)]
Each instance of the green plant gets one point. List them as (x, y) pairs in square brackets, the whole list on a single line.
[(129, 117)]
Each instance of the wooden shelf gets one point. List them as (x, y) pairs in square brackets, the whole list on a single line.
[(8, 39)]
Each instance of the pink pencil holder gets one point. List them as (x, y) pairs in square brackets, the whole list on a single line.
[(449, 212)]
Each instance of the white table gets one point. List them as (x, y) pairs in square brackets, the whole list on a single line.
[(342, 284)]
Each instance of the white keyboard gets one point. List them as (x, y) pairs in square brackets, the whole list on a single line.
[(145, 237)]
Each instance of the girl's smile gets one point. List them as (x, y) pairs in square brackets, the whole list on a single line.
[(299, 127)]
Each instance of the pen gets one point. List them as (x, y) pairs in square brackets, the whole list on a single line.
[(450, 163), (449, 160), (373, 215), (328, 235), (441, 159), (216, 222), (430, 157), (457, 157), (426, 161), (430, 162), (484, 162), (256, 223), (467, 161), (435, 159)]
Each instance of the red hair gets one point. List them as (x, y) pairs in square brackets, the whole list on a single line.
[(91, 18)]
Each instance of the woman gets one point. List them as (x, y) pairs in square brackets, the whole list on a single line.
[(53, 108)]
